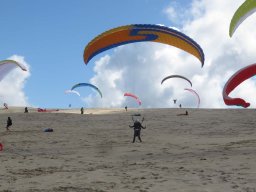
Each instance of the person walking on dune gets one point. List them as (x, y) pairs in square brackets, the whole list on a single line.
[(9, 123), (137, 129), (26, 110), (82, 110)]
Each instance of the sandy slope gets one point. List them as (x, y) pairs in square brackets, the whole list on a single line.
[(209, 150)]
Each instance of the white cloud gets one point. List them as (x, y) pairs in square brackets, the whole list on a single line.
[(12, 86), (107, 81), (140, 67), (171, 13), (177, 14), (224, 55)]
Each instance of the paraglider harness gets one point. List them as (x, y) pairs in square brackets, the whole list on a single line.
[(137, 115), (137, 125)]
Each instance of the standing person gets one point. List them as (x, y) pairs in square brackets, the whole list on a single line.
[(180, 106), (26, 110), (9, 123), (125, 108), (137, 128), (82, 110)]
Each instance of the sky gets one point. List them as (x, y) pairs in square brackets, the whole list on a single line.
[(49, 38)]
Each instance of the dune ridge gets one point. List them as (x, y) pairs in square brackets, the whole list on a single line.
[(208, 150)]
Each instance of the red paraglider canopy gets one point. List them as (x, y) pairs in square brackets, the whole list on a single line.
[(1, 147), (196, 94), (45, 110), (235, 80), (133, 96)]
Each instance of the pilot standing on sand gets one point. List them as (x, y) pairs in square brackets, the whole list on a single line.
[(82, 110), (9, 123), (26, 110), (137, 128)]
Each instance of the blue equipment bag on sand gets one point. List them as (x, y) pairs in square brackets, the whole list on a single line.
[(48, 130)]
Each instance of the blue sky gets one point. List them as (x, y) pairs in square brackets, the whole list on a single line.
[(52, 35)]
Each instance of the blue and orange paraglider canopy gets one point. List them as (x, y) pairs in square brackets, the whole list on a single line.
[(142, 33)]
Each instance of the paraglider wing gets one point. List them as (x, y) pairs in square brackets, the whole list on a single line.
[(244, 11), (133, 96), (195, 93), (87, 84), (142, 33), (72, 91), (235, 80), (8, 65), (46, 110), (179, 76)]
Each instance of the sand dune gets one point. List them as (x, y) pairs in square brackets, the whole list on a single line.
[(210, 150)]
